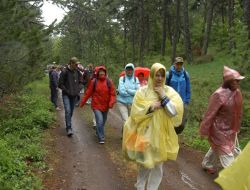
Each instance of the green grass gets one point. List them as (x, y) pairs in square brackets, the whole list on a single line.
[(24, 116)]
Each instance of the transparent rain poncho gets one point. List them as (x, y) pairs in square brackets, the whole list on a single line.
[(150, 138), (222, 119)]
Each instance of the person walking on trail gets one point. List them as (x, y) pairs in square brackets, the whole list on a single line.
[(149, 137), (221, 121), (127, 87), (179, 79), (53, 84), (69, 82), (102, 91)]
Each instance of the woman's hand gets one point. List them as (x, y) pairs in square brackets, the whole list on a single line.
[(155, 105), (160, 91)]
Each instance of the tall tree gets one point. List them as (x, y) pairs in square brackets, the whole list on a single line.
[(142, 32), (164, 26), (176, 29), (246, 8), (187, 39), (231, 25), (208, 26)]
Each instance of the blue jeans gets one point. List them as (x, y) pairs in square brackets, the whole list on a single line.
[(101, 118), (69, 105)]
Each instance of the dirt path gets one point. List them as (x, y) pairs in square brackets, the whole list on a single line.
[(80, 163)]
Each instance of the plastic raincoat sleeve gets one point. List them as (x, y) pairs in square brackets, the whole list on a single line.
[(149, 139), (213, 107), (237, 176)]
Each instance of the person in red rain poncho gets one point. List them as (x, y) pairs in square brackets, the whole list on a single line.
[(102, 91), (221, 122)]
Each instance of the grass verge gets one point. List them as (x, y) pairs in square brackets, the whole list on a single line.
[(23, 117)]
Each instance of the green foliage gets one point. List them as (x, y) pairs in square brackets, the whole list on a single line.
[(20, 145), (23, 42)]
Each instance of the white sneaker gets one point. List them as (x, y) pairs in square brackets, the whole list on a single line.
[(101, 142), (58, 109)]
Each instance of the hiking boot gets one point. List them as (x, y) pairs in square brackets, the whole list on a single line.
[(69, 132)]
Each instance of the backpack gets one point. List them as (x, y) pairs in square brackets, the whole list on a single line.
[(107, 80), (171, 74), (124, 78)]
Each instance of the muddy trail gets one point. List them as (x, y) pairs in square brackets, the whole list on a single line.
[(80, 163)]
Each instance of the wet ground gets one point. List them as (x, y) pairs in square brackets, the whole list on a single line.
[(80, 163)]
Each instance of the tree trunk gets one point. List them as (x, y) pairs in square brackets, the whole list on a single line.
[(176, 30), (246, 7), (125, 43), (133, 33), (188, 49), (231, 25), (208, 26), (147, 32), (142, 33), (164, 26)]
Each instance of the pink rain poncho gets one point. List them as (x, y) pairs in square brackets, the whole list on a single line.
[(150, 138), (222, 119)]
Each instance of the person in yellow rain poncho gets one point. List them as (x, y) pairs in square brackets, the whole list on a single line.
[(149, 137), (237, 176)]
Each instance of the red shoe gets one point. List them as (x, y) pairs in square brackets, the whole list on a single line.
[(210, 170)]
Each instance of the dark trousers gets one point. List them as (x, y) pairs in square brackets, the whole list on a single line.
[(54, 95)]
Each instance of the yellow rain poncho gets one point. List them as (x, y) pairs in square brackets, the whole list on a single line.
[(150, 138), (237, 176)]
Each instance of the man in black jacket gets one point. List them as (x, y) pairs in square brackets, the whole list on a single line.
[(69, 82)]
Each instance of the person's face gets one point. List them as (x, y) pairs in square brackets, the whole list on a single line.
[(178, 66), (158, 80), (234, 84), (129, 72), (101, 73), (73, 66), (140, 77)]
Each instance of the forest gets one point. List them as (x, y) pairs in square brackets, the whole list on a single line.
[(206, 33)]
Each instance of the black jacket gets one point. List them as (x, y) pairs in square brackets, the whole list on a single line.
[(70, 81)]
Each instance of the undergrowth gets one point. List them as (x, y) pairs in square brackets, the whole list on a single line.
[(23, 117)]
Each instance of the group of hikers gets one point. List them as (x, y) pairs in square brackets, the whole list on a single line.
[(154, 112)]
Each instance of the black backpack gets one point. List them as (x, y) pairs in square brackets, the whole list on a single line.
[(124, 78)]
